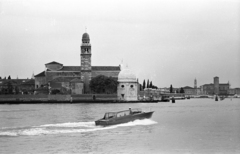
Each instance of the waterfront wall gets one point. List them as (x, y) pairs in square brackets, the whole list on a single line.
[(57, 98)]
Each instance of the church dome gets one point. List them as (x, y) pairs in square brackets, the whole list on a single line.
[(127, 75), (85, 36)]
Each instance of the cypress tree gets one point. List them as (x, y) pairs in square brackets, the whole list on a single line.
[(151, 86), (171, 89), (148, 83), (144, 85)]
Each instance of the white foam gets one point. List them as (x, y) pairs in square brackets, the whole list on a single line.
[(8, 134), (76, 127), (70, 124), (138, 122)]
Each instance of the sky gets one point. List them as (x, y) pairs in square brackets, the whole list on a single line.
[(169, 42)]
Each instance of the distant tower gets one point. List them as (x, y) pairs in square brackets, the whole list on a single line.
[(216, 85), (121, 65), (32, 76), (195, 83), (86, 68)]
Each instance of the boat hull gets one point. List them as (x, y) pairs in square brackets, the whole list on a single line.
[(125, 119)]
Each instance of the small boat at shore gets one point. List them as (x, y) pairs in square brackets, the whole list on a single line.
[(113, 118)]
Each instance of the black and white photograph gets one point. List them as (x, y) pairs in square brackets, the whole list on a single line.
[(119, 76)]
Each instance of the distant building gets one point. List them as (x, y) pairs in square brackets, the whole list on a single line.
[(237, 91), (192, 90), (215, 88), (189, 90), (234, 91), (74, 79)]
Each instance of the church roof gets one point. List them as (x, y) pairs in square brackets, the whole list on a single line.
[(126, 75), (71, 68), (94, 68), (42, 74), (187, 87), (105, 68), (220, 84), (223, 84), (53, 62)]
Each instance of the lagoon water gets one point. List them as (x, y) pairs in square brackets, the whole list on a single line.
[(188, 126)]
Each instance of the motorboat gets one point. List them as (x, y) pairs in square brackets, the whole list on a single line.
[(113, 118)]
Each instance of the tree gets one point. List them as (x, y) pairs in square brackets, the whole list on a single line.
[(171, 89), (150, 86), (148, 83), (103, 84), (144, 85), (154, 87), (0, 77), (9, 77), (9, 87), (181, 90), (110, 85)]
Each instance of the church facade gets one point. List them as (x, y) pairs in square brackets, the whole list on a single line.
[(74, 79)]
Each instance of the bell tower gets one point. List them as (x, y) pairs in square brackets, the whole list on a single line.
[(195, 83), (86, 67)]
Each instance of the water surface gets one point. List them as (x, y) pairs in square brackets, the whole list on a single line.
[(188, 126)]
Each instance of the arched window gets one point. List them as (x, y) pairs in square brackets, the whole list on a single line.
[(122, 86)]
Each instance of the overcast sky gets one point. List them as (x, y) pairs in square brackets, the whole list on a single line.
[(165, 41)]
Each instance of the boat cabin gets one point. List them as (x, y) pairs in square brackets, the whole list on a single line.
[(119, 114)]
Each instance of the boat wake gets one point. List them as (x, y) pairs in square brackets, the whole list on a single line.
[(63, 128)]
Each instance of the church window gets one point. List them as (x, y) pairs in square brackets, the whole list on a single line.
[(122, 86), (131, 86)]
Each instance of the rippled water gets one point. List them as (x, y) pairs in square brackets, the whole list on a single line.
[(188, 126)]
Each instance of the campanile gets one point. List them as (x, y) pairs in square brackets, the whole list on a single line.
[(86, 67)]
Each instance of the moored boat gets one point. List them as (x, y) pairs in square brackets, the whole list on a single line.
[(113, 118)]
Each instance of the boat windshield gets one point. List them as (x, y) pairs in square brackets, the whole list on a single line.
[(123, 113), (109, 115), (136, 110)]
